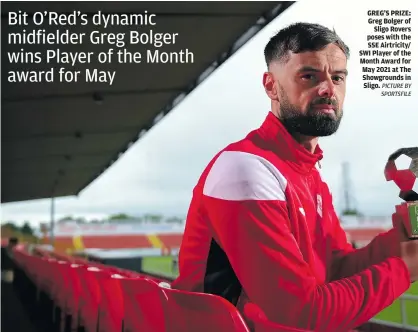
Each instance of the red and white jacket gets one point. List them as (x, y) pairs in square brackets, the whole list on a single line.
[(262, 226)]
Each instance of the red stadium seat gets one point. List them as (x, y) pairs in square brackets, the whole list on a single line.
[(62, 290), (90, 297), (75, 291), (40, 273), (31, 267), (261, 324), (21, 258), (111, 309), (144, 303), (190, 312), (61, 284), (48, 275)]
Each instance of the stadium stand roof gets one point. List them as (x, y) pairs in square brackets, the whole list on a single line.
[(58, 138)]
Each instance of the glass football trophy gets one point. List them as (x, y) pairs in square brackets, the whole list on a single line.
[(402, 168)]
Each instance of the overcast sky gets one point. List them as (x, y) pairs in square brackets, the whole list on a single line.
[(158, 173)]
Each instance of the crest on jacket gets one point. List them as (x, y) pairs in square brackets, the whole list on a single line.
[(319, 204)]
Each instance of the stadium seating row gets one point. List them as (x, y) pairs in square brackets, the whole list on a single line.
[(66, 293)]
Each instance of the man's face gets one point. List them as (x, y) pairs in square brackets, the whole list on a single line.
[(311, 90)]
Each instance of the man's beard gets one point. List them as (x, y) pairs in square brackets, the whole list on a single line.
[(312, 122)]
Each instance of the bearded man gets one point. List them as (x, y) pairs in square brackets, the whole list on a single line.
[(262, 228)]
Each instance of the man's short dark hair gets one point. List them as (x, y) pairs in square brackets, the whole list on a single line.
[(301, 37)]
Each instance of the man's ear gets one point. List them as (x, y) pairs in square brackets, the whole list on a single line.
[(269, 84)]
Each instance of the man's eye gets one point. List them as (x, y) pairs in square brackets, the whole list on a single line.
[(338, 78), (308, 77)]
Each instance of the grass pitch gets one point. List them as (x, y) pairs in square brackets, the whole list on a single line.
[(393, 313), (160, 265)]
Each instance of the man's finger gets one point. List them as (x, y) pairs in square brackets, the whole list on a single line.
[(398, 224)]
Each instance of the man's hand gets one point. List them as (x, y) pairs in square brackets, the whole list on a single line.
[(408, 248)]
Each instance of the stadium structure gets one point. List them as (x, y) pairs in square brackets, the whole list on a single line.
[(72, 236)]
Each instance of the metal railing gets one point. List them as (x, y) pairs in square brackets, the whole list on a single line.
[(404, 325)]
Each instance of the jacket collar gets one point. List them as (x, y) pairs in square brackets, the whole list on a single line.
[(286, 147)]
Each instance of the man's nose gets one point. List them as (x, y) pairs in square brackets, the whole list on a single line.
[(326, 88)]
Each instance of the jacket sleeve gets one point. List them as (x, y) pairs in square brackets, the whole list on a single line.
[(245, 202), (347, 261)]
